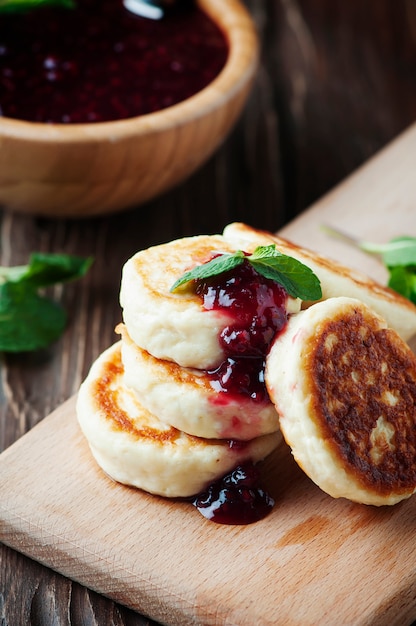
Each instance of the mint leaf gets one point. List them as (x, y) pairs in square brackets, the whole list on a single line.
[(217, 265), (403, 280), (28, 320), (399, 251), (298, 279), (48, 269), (16, 6), (398, 256)]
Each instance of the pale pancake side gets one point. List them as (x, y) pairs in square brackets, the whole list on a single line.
[(134, 447), (186, 399), (172, 326)]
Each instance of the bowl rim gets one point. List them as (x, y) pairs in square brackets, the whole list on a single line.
[(238, 27)]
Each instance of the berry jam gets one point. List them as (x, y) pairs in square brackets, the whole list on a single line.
[(236, 498), (100, 62), (257, 306)]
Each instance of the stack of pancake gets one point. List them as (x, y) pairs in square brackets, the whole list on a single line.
[(148, 409), (341, 382)]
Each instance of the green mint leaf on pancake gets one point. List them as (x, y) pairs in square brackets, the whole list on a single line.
[(29, 320), (298, 280), (218, 265)]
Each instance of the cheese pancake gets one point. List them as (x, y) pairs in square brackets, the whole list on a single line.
[(336, 279), (172, 326), (186, 398), (344, 385), (175, 326), (134, 447)]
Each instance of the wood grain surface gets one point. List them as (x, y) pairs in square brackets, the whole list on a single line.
[(312, 558), (336, 84)]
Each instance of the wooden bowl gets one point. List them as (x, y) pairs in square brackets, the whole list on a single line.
[(77, 170)]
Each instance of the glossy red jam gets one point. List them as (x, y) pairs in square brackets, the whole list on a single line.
[(236, 498), (100, 62), (257, 306)]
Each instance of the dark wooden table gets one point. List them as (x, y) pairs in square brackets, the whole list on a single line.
[(337, 82)]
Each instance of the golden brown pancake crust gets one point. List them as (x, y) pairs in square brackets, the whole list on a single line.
[(106, 397), (363, 398), (203, 250), (161, 368)]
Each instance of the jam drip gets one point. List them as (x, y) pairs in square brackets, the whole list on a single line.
[(236, 498), (257, 307)]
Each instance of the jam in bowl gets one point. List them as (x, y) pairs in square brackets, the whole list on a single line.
[(109, 109)]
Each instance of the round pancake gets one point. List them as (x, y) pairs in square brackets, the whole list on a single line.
[(175, 326), (135, 448), (172, 326), (344, 386), (185, 398), (336, 279)]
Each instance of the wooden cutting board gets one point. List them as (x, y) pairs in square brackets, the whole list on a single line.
[(314, 560)]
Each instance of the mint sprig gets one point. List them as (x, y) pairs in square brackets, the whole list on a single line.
[(19, 6), (398, 256), (28, 319), (298, 279)]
